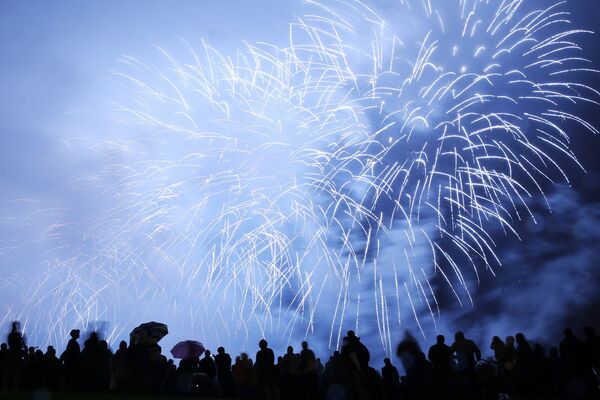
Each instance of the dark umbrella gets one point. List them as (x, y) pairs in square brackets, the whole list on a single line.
[(148, 333), (187, 349)]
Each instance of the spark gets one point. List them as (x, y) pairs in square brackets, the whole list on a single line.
[(276, 185)]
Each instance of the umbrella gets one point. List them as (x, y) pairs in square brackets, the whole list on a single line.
[(148, 333), (187, 349)]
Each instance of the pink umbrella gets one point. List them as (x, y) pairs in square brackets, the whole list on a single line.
[(188, 349)]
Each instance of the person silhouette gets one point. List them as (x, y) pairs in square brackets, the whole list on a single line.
[(70, 359), (16, 343), (467, 354), (356, 346), (440, 356), (51, 369), (243, 374), (122, 369), (290, 374), (571, 349), (15, 357), (3, 366), (554, 374), (264, 366), (90, 364), (592, 348), (499, 348), (309, 375), (223, 366), (104, 367), (390, 378), (207, 367), (523, 366)]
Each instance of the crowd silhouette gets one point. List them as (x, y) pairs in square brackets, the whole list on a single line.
[(518, 369)]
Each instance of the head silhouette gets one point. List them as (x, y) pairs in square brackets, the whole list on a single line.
[(387, 361), (568, 332), (221, 350), (459, 335), (304, 345), (263, 344), (441, 339), (290, 350)]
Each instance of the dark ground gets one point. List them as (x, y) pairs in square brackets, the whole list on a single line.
[(43, 395)]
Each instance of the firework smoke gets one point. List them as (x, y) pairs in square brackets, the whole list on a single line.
[(285, 191)]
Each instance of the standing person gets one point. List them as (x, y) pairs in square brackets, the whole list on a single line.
[(391, 379), (51, 370), (508, 366), (3, 366), (570, 353), (592, 347), (412, 359), (290, 374), (70, 360), (357, 347), (572, 356), (440, 356), (265, 366), (555, 374), (309, 376), (207, 367), (243, 374), (16, 352), (223, 365), (320, 369), (499, 348), (508, 356), (104, 360), (90, 367), (524, 366), (467, 354), (122, 369)]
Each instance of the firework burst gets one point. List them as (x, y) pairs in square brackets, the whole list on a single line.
[(265, 191)]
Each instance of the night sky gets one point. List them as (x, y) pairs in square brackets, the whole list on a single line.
[(56, 60)]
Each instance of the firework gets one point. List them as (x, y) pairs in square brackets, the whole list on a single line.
[(337, 178)]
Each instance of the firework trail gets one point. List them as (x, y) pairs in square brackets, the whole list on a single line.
[(323, 182)]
